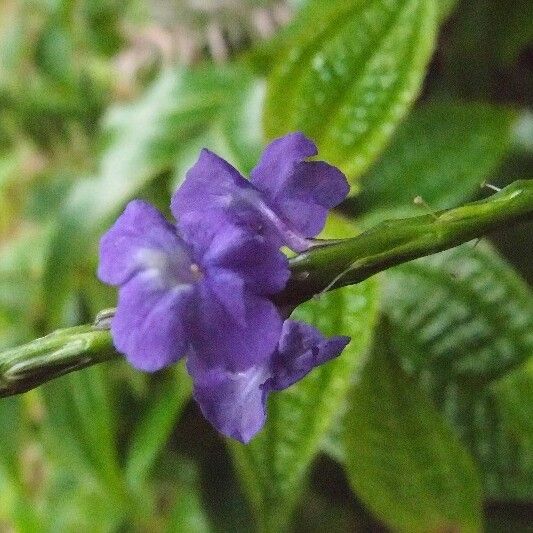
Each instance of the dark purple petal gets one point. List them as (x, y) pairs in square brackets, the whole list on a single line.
[(311, 190), (141, 239), (214, 195), (228, 289), (223, 341), (301, 348), (207, 197), (232, 401), (152, 321), (262, 267), (300, 192), (278, 160)]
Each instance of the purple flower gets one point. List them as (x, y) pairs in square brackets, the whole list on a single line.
[(209, 295), (286, 200), (234, 402), (202, 288)]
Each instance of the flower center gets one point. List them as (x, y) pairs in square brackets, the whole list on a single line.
[(196, 271)]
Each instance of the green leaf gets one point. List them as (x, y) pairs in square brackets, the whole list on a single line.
[(482, 57), (11, 435), (80, 430), (21, 260), (465, 311), (514, 20), (442, 153), (494, 420), (510, 474), (240, 127), (349, 75), (187, 513), (402, 460), (153, 431), (514, 393), (143, 140), (461, 321), (445, 8), (236, 136), (274, 465)]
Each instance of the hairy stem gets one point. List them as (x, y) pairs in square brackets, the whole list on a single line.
[(392, 242), (331, 265), (25, 367)]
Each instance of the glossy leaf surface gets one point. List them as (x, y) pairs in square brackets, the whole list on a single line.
[(402, 459), (349, 75), (442, 153), (462, 321)]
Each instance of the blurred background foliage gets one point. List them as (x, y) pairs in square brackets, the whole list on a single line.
[(426, 428)]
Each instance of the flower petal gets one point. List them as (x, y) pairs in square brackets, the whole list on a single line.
[(222, 341), (152, 322), (206, 197), (278, 160), (214, 194), (232, 402), (300, 192), (141, 238), (301, 348), (310, 191), (228, 289), (258, 262)]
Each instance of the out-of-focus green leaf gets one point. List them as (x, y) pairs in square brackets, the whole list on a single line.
[(143, 139), (349, 75), (446, 7), (21, 479), (504, 435), (52, 85), (514, 393), (240, 127), (442, 153), (515, 19), (461, 320), (236, 135), (274, 464), (11, 435), (402, 459), (80, 431), (21, 260), (464, 311), (152, 433), (187, 513), (482, 55)]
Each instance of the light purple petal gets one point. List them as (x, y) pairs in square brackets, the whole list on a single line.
[(152, 321), (232, 402), (222, 341), (301, 348), (139, 238), (278, 160)]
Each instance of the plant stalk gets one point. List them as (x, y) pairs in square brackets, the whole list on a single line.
[(328, 266)]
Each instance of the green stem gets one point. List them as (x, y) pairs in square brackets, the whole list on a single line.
[(327, 266), (25, 367), (350, 261)]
